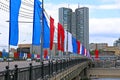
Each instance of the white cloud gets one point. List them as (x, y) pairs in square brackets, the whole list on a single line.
[(108, 25)]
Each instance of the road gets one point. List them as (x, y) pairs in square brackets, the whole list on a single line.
[(20, 64)]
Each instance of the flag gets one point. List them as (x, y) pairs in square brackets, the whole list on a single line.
[(74, 43), (78, 47), (45, 53), (21, 55), (32, 56), (46, 34), (69, 45), (16, 55), (52, 29), (96, 53), (61, 37), (37, 27), (88, 55), (13, 30), (83, 50), (28, 55)]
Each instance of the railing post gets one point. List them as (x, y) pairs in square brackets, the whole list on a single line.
[(16, 72), (52, 67), (49, 67), (30, 74), (42, 69), (61, 63), (7, 73), (56, 66)]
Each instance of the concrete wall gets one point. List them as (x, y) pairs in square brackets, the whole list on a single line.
[(104, 72)]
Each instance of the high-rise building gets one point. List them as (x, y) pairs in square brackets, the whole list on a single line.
[(82, 26), (65, 16), (76, 23)]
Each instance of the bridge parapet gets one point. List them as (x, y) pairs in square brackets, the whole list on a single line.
[(72, 72)]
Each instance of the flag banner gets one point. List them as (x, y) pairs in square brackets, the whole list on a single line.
[(52, 29), (70, 48), (78, 47), (88, 55), (25, 56), (13, 24), (74, 44), (83, 50), (46, 34), (28, 55), (32, 56), (35, 56), (38, 56), (37, 27), (61, 37), (96, 54), (16, 55), (21, 55), (45, 53)]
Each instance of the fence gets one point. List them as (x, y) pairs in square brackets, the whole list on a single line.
[(43, 71), (105, 64)]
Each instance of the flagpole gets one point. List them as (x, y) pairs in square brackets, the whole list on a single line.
[(41, 56)]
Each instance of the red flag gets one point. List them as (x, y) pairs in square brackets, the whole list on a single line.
[(96, 54), (16, 55), (52, 29), (78, 47), (28, 55), (45, 53), (61, 37), (38, 56)]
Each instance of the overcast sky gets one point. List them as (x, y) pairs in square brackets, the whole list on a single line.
[(104, 19)]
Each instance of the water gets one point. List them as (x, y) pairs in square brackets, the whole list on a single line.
[(107, 79)]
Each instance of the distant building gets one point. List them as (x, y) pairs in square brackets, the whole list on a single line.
[(82, 26), (93, 46), (112, 50), (117, 43), (76, 23), (65, 18)]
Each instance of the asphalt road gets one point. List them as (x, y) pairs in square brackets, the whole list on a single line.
[(20, 64)]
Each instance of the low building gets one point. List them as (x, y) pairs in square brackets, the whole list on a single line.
[(93, 46), (112, 50)]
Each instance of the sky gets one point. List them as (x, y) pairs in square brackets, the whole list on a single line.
[(104, 19)]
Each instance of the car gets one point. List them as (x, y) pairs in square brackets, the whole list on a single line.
[(9, 59), (37, 60), (1, 59), (28, 59)]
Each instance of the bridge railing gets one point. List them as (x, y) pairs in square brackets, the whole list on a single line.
[(43, 71)]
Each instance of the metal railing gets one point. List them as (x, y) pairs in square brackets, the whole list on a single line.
[(43, 71)]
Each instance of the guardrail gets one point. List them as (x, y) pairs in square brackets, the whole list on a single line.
[(43, 71)]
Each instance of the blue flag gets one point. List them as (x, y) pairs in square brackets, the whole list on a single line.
[(83, 50), (37, 27), (74, 44), (46, 36), (13, 30)]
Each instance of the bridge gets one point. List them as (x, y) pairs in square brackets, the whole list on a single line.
[(65, 69)]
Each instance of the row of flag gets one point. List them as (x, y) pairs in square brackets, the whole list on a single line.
[(40, 23)]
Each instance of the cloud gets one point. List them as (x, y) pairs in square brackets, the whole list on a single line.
[(106, 25)]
